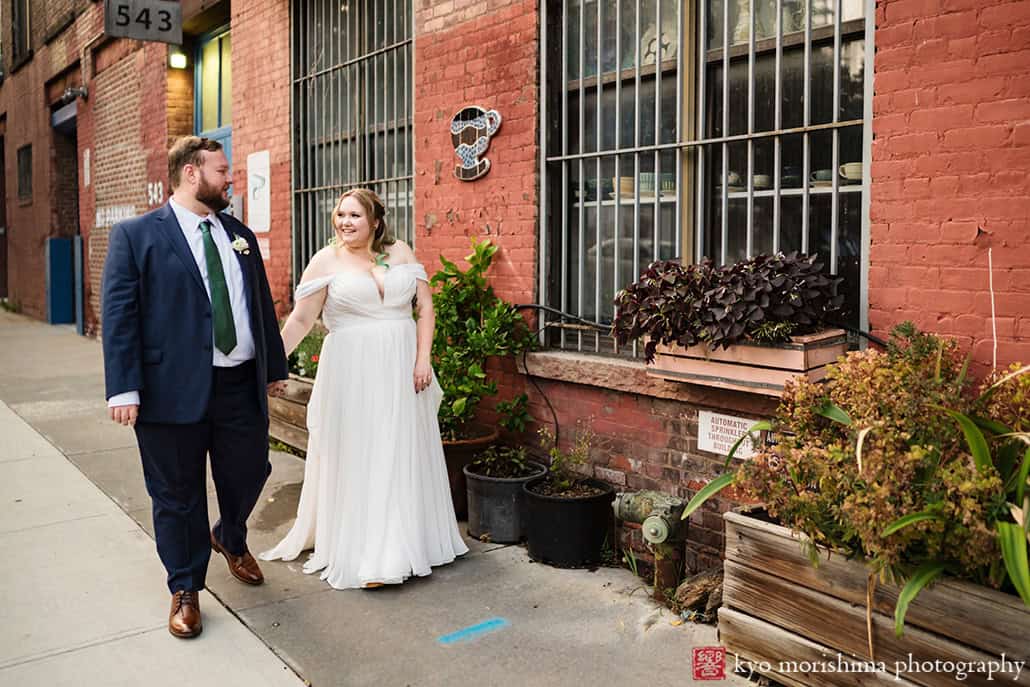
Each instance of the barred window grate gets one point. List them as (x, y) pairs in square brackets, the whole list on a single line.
[(719, 128), (352, 113)]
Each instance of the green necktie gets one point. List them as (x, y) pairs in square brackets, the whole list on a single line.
[(225, 328)]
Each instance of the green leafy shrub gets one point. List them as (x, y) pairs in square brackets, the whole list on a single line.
[(472, 324), (304, 359)]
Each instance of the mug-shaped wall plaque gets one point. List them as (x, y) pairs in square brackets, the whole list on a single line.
[(471, 129)]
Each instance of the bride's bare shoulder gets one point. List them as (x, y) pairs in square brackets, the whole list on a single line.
[(400, 253), (321, 264)]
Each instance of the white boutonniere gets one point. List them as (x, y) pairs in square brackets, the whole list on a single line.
[(240, 245)]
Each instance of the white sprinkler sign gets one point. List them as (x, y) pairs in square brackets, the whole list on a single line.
[(144, 20), (717, 433), (259, 192)]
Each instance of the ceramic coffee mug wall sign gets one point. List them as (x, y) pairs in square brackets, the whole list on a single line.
[(471, 130)]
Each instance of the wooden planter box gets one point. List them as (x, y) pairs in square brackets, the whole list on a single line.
[(778, 607), (757, 368), (287, 414)]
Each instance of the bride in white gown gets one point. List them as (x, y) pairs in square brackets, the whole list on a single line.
[(375, 503)]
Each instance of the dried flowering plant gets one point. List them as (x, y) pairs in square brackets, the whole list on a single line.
[(894, 460)]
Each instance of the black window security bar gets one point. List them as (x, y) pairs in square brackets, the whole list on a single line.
[(714, 128), (351, 68)]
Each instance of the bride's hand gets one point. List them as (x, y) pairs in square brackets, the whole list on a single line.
[(423, 375)]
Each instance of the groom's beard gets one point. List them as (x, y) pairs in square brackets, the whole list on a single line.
[(211, 196)]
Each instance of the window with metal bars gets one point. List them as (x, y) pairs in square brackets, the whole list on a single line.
[(21, 37), (713, 128), (352, 113)]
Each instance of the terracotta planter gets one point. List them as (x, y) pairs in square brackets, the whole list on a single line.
[(757, 368), (779, 607), (459, 454), (287, 414)]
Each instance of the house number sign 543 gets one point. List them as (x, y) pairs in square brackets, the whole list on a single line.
[(144, 20)]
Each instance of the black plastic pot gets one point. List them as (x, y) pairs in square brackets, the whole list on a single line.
[(568, 532), (497, 505)]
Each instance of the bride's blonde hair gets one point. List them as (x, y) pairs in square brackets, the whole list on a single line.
[(374, 210)]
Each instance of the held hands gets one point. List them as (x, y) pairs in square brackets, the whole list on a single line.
[(277, 388), (423, 375), (124, 415)]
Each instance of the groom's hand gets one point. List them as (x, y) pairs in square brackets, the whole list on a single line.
[(124, 415), (276, 388)]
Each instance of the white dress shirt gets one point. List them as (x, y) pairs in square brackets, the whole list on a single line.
[(189, 222)]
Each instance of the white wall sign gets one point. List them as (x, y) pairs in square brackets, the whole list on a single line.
[(114, 214), (259, 191), (264, 247), (717, 433)]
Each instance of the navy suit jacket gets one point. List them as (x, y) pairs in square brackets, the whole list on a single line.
[(157, 318)]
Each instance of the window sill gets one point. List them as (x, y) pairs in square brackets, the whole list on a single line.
[(630, 377)]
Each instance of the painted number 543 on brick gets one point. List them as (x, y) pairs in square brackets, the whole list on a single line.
[(144, 20)]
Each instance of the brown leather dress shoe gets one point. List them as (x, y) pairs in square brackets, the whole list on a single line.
[(244, 568), (184, 618)]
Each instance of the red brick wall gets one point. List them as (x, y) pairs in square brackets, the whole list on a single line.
[(486, 54), (951, 171), (119, 161), (261, 120), (25, 104)]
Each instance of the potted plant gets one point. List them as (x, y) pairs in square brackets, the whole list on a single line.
[(472, 324), (750, 326), (287, 412), (568, 516), (496, 503), (890, 476)]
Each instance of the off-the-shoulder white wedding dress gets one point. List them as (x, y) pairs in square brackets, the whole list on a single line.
[(375, 503)]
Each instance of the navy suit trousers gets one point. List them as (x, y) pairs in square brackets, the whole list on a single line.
[(234, 432)]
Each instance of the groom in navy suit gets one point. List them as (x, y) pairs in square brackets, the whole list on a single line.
[(191, 348)]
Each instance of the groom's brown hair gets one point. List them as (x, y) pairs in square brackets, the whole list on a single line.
[(188, 150)]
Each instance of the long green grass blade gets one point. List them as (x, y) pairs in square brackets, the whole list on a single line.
[(1021, 477), (707, 492), (964, 371), (991, 426), (760, 426), (974, 438), (910, 519), (832, 411), (1012, 539), (924, 575)]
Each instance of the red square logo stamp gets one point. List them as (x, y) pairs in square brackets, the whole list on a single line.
[(709, 663)]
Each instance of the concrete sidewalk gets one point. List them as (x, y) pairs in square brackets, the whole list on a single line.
[(84, 600)]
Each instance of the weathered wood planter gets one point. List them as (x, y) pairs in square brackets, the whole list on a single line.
[(287, 414), (779, 608), (757, 368)]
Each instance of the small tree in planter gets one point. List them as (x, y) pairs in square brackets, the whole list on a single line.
[(569, 516), (694, 319), (893, 461), (472, 324)]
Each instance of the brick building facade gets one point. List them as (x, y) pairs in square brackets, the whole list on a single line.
[(946, 143)]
